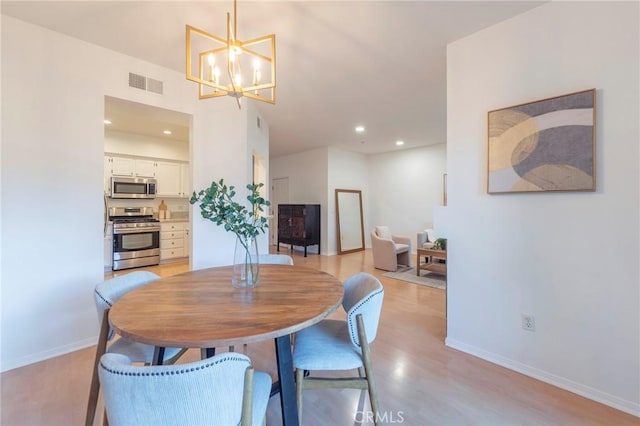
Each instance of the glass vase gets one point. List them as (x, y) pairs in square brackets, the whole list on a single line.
[(246, 268)]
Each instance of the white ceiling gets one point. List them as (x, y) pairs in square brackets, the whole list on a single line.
[(133, 117), (339, 64)]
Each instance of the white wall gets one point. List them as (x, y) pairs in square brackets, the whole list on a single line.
[(52, 174), (258, 143), (347, 170), (401, 189), (116, 142), (570, 259), (226, 154), (308, 182), (405, 188)]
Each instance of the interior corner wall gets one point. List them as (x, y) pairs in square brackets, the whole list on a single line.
[(223, 155), (258, 143), (116, 142), (570, 259), (308, 182), (405, 188), (346, 170), (52, 180)]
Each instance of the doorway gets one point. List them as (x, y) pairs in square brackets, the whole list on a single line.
[(279, 195)]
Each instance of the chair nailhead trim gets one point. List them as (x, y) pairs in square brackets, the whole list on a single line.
[(173, 372), (103, 299), (362, 302)]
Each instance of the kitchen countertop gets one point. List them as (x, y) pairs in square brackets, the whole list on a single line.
[(175, 219), (177, 216)]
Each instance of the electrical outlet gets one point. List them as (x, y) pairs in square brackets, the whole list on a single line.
[(528, 322)]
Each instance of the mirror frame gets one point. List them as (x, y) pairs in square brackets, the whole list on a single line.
[(338, 232)]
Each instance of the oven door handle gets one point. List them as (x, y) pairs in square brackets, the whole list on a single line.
[(135, 231)]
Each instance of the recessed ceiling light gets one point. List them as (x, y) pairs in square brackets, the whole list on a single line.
[(399, 143), (167, 132), (107, 121), (360, 129)]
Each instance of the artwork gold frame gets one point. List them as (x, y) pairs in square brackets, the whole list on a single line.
[(542, 146)]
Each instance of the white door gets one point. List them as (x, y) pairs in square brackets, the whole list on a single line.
[(279, 195)]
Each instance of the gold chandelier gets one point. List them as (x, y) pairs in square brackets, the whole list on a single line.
[(250, 65)]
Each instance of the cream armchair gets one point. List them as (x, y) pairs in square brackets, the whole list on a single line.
[(389, 251)]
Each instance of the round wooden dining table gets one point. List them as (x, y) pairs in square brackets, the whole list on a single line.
[(201, 309)]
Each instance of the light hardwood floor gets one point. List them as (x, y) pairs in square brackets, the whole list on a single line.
[(420, 381)]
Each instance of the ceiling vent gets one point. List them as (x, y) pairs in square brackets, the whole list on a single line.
[(154, 86), (149, 84), (137, 81)]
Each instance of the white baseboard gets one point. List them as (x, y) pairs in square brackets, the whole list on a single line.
[(630, 407), (51, 353)]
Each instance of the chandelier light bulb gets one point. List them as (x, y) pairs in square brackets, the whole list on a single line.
[(238, 80), (257, 74), (212, 60)]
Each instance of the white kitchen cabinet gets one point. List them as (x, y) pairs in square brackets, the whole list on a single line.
[(168, 177), (123, 166), (174, 178), (131, 167), (172, 240), (107, 175), (145, 168), (108, 246), (185, 180), (187, 240)]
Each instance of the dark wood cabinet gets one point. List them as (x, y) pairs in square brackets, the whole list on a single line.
[(299, 225)]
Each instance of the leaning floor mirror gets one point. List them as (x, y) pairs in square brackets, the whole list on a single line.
[(349, 220)]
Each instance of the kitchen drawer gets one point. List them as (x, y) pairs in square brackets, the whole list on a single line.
[(172, 243), (173, 226), (168, 235), (171, 253)]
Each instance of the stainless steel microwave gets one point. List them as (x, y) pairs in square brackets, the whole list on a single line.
[(128, 187)]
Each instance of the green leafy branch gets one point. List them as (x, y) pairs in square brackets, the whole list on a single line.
[(218, 206), (440, 244)]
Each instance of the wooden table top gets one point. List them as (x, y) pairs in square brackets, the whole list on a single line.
[(434, 252), (201, 309)]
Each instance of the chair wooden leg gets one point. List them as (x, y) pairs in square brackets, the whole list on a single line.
[(247, 398), (94, 390), (368, 369), (299, 387)]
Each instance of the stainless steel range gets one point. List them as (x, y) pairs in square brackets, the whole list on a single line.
[(136, 237)]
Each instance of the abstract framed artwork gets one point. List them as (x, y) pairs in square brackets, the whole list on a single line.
[(542, 146)]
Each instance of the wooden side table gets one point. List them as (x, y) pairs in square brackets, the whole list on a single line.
[(431, 265)]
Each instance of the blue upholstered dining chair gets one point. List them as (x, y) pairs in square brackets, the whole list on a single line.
[(342, 345), (105, 295), (275, 259), (221, 390)]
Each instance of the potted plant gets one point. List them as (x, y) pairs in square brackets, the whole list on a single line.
[(217, 205), (440, 244)]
